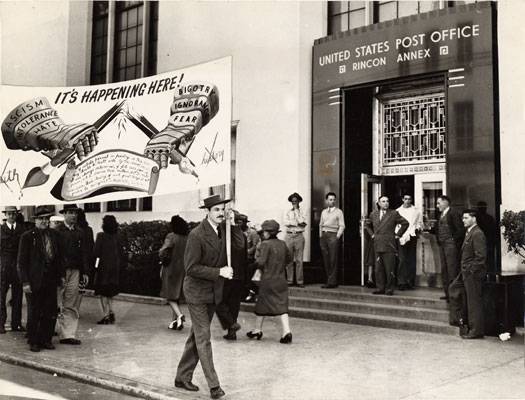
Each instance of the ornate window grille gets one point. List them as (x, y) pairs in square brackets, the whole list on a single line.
[(413, 130)]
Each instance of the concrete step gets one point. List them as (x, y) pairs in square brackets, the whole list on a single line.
[(383, 321), (349, 293), (363, 307)]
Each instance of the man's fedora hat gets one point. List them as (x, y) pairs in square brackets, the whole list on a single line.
[(69, 207), (296, 195), (270, 225), (211, 201), (9, 209), (43, 211)]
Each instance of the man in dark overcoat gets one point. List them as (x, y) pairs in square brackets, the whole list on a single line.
[(382, 229), (10, 233), (449, 233), (205, 262), (41, 271), (466, 301), (228, 308)]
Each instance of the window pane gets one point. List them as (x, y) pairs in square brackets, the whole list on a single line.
[(132, 37), (130, 73), (387, 11), (122, 57), (357, 19), (139, 34), (122, 40), (425, 6), (339, 23), (132, 17), (407, 8), (355, 5), (131, 58), (123, 21), (338, 7)]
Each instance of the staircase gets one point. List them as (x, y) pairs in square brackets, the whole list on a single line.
[(417, 310)]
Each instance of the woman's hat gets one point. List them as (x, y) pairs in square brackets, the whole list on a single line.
[(10, 209), (69, 207), (211, 201), (270, 225), (296, 195), (43, 211)]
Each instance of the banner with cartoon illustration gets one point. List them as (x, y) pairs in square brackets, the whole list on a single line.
[(163, 134)]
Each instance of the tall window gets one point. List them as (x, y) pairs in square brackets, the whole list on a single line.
[(387, 10), (121, 50), (344, 15), (99, 42)]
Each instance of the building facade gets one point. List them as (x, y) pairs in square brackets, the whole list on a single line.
[(321, 100)]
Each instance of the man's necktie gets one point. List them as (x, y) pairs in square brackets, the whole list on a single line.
[(381, 214), (219, 232)]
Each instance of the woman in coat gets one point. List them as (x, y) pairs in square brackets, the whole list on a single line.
[(109, 259), (273, 287), (172, 256)]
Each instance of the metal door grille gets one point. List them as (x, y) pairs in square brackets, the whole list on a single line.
[(413, 129)]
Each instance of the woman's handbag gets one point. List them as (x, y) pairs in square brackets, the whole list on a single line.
[(257, 275)]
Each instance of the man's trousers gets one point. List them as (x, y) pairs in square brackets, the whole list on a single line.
[(448, 252), (406, 274), (330, 251), (9, 277), (466, 301), (68, 319), (295, 243), (198, 346), (228, 308), (43, 305), (385, 271)]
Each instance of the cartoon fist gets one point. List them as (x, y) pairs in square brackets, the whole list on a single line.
[(34, 125), (194, 105)]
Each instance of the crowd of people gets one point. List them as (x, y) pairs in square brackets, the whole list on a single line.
[(53, 258)]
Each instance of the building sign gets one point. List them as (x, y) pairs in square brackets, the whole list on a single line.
[(433, 41), (164, 134)]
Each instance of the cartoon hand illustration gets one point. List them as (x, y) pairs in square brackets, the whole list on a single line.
[(194, 105), (34, 125)]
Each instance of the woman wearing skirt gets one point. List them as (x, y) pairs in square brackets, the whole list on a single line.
[(273, 287)]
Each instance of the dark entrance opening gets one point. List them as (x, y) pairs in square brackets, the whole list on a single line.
[(357, 137)]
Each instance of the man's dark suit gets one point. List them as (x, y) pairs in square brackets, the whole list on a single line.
[(466, 300), (9, 241), (204, 256), (228, 308), (449, 245), (385, 247), (43, 278)]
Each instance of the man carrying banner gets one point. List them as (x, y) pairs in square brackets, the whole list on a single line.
[(205, 262)]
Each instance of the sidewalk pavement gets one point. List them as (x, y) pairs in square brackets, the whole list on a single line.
[(139, 356)]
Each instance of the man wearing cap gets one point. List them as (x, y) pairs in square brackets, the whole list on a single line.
[(295, 221), (10, 233), (41, 271), (228, 308), (76, 265), (205, 262)]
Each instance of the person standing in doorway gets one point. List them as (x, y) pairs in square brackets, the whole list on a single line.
[(10, 233), (76, 263), (41, 271), (406, 277), (449, 233), (295, 222), (331, 228), (382, 230), (205, 261)]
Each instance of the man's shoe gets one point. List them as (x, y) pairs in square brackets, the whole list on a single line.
[(216, 392), (231, 335), (472, 336), (389, 292), (34, 348), (402, 287), (18, 328), (370, 284), (2, 329), (378, 292), (48, 346), (70, 341), (186, 385)]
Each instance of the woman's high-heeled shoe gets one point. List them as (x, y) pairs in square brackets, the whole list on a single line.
[(286, 338), (180, 322), (111, 317), (104, 321), (253, 335)]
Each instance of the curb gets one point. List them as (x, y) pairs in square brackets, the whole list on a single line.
[(102, 380)]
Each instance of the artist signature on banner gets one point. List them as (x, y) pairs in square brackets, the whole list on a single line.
[(211, 154), (11, 179)]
